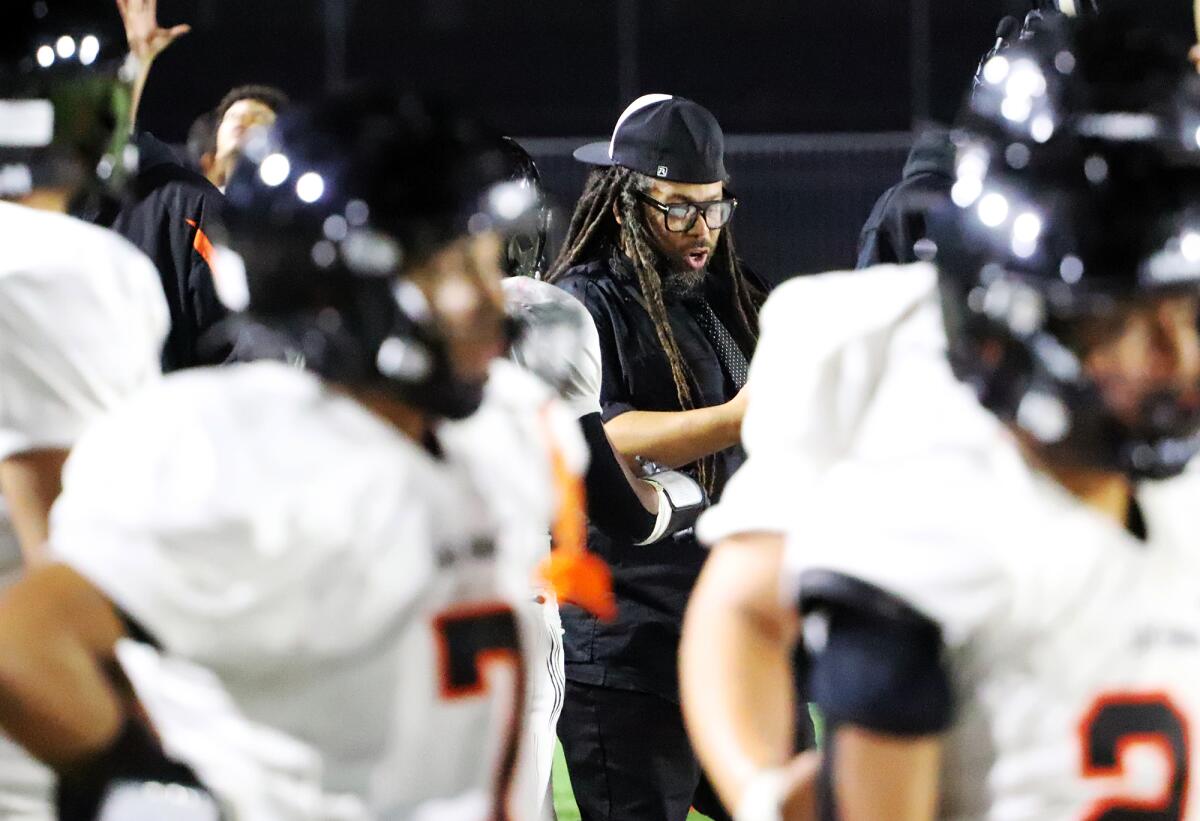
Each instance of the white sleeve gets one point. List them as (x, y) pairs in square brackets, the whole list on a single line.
[(139, 512), (222, 544), (582, 393), (559, 341), (913, 531), (532, 411), (514, 443), (74, 343), (821, 351)]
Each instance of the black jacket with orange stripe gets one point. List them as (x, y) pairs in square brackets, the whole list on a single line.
[(170, 215)]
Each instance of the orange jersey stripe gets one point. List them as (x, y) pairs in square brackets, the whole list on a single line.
[(203, 245), (574, 573)]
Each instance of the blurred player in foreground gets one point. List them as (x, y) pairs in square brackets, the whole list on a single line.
[(310, 577), (81, 314), (82, 317), (980, 472)]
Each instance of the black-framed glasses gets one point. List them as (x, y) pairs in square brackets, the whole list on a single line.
[(681, 216)]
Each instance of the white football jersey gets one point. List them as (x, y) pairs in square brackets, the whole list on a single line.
[(334, 602), (1074, 646), (82, 324)]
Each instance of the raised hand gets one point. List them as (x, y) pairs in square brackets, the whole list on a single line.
[(146, 38)]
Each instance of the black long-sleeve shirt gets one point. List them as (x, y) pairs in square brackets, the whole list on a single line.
[(170, 216), (651, 582)]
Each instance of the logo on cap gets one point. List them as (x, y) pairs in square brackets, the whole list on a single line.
[(662, 171)]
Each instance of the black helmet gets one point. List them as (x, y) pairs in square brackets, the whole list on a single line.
[(1009, 32), (1077, 187), (64, 107), (328, 209), (525, 252)]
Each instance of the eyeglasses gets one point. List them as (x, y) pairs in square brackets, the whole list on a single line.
[(681, 216)]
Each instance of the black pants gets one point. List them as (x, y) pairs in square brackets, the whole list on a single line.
[(630, 759)]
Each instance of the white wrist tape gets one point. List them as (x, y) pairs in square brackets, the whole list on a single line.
[(664, 515), (681, 500), (763, 798)]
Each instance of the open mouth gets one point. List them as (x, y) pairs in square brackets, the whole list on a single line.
[(697, 259)]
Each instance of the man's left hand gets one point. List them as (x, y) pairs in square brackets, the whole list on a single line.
[(147, 39)]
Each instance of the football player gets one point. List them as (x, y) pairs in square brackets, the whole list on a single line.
[(972, 479), (78, 314), (82, 317), (310, 577)]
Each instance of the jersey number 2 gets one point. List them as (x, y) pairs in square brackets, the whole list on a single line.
[(469, 640), (1118, 720)]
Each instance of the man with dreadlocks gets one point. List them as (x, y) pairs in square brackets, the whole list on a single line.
[(649, 254)]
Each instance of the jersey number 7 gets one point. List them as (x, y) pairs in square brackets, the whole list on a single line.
[(1114, 722), (471, 639)]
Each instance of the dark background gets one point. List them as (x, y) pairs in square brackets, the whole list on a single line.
[(817, 97)]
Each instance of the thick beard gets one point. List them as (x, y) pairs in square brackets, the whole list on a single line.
[(684, 284)]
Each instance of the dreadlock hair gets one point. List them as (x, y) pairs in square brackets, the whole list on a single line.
[(594, 231)]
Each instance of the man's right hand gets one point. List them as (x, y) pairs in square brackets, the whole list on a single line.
[(146, 38)]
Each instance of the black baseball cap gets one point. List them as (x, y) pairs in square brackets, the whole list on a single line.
[(671, 138)]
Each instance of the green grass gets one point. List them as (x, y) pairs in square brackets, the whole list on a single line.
[(564, 798)]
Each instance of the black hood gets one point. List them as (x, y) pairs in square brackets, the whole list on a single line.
[(932, 153)]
